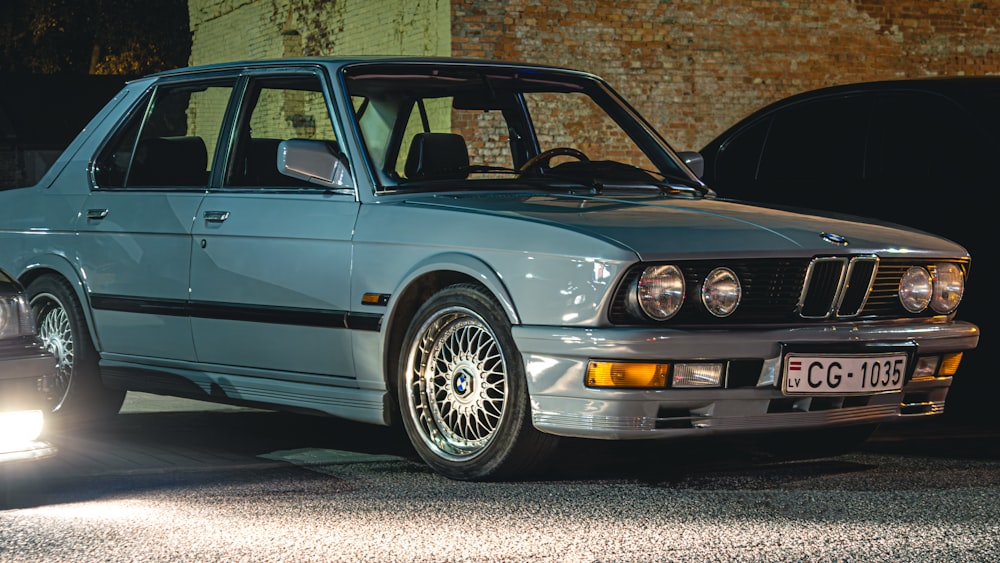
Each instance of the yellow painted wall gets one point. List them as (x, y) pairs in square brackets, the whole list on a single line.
[(224, 30)]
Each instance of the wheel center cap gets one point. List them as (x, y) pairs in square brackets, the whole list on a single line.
[(462, 381)]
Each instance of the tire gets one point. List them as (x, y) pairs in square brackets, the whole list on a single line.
[(77, 392), (463, 393)]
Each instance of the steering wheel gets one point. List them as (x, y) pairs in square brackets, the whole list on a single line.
[(542, 158)]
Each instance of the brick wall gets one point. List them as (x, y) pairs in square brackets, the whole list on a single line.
[(691, 67), (696, 66)]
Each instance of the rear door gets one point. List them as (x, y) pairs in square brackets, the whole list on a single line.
[(135, 227)]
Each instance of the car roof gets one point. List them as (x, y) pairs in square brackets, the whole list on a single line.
[(340, 62), (951, 85), (958, 88)]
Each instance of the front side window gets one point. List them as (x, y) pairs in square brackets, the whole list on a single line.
[(279, 108), (169, 139)]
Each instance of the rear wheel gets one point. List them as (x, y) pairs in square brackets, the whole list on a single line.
[(77, 391), (463, 391)]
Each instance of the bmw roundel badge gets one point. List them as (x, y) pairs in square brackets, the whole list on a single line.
[(834, 238)]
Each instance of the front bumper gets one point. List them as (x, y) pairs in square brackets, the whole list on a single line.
[(556, 359)]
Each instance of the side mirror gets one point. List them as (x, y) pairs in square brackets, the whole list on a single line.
[(694, 161), (314, 162)]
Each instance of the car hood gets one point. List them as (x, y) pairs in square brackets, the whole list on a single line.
[(655, 227)]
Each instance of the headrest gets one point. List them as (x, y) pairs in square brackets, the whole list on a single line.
[(170, 161), (437, 156)]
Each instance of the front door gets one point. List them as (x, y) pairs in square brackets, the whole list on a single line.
[(271, 256)]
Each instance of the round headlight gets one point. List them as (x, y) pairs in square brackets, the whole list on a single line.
[(949, 286), (915, 289), (660, 291), (721, 292)]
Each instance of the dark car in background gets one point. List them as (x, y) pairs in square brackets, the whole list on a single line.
[(26, 372), (921, 153)]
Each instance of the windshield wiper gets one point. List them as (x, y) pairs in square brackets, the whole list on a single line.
[(670, 186), (603, 175)]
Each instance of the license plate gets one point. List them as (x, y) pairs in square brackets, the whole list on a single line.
[(843, 374)]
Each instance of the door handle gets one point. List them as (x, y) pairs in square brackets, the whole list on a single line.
[(216, 216), (97, 214)]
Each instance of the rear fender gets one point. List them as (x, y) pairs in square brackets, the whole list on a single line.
[(60, 265)]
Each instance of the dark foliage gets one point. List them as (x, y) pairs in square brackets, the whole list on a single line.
[(121, 37)]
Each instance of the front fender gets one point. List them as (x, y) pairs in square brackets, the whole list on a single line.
[(465, 264)]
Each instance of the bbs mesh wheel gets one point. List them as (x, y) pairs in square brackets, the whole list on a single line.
[(463, 392), (77, 391)]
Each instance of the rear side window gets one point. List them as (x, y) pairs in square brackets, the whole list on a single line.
[(820, 141), (919, 136), (169, 140)]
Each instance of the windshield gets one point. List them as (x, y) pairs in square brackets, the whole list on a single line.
[(460, 126)]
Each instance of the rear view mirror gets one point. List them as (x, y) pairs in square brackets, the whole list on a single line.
[(315, 162), (694, 161)]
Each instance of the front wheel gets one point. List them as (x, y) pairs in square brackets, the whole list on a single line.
[(77, 391), (463, 391)]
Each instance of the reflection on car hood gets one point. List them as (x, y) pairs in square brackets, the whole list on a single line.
[(655, 227)]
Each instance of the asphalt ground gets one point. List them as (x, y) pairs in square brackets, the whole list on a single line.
[(173, 480)]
